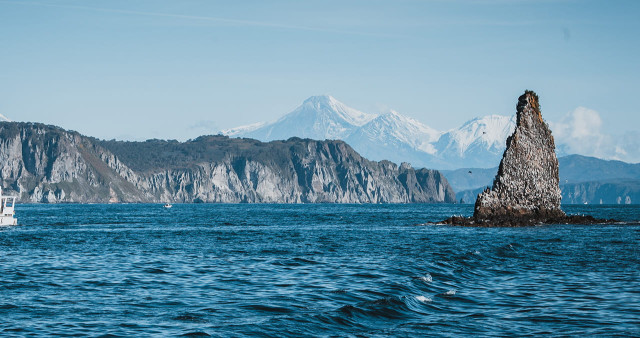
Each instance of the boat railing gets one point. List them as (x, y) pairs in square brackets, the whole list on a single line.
[(7, 204)]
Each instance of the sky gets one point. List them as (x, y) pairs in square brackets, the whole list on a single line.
[(140, 69)]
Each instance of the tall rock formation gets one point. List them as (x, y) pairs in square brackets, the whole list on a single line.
[(41, 163), (526, 190), (527, 184)]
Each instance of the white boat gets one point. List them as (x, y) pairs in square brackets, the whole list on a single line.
[(7, 210), (167, 206)]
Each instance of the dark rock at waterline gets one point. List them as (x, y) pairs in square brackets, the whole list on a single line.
[(519, 221)]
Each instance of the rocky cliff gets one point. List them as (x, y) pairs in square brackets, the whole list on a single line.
[(527, 184), (526, 189), (43, 163), (602, 192)]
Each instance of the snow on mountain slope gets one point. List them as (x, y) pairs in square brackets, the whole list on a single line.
[(393, 127), (330, 106), (491, 131), (319, 118), (243, 129), (479, 142), (4, 118), (392, 136)]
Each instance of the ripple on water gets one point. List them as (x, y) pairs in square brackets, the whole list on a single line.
[(424, 299), (192, 317), (196, 334), (267, 308), (311, 270)]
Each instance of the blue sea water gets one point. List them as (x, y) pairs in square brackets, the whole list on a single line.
[(313, 270)]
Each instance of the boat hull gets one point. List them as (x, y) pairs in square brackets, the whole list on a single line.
[(8, 220)]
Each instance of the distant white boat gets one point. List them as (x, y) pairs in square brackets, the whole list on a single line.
[(167, 206), (7, 204)]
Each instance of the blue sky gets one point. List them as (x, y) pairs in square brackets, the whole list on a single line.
[(141, 69)]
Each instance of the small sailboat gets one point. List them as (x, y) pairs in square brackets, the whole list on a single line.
[(7, 209), (167, 206)]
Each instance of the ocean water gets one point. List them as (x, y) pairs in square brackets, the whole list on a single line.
[(312, 270)]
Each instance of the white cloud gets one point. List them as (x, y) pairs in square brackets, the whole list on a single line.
[(630, 144), (580, 132), (207, 127)]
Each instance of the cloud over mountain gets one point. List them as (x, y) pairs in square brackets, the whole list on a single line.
[(580, 132)]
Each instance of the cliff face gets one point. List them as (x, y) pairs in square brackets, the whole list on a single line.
[(602, 192), (48, 164), (527, 183)]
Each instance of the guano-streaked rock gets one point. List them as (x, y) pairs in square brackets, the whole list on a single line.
[(526, 190), (527, 184)]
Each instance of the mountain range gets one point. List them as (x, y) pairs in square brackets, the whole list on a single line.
[(391, 136), (478, 143)]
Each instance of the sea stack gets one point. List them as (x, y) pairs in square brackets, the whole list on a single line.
[(526, 188)]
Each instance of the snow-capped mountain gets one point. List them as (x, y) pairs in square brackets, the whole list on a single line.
[(395, 137), (242, 130), (4, 118), (319, 118), (392, 136), (478, 143), (393, 127)]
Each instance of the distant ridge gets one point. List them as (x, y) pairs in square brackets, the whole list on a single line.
[(583, 179)]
